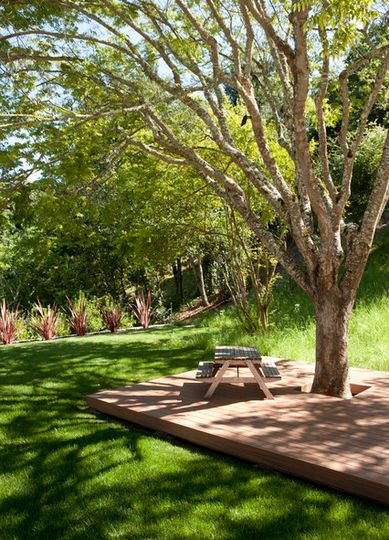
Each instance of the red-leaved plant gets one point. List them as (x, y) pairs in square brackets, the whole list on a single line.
[(45, 320), (78, 317), (112, 317), (8, 323), (142, 308)]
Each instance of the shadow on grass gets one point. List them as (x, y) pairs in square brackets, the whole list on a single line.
[(69, 474)]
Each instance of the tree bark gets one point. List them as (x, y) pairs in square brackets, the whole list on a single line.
[(332, 370), (265, 317), (198, 271)]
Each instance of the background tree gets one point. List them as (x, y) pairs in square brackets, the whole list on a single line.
[(75, 228), (141, 62), (250, 273)]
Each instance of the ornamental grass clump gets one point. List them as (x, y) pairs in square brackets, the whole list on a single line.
[(112, 317), (142, 309), (45, 320), (8, 323), (78, 317)]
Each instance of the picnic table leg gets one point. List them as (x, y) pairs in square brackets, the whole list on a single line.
[(217, 380), (258, 377)]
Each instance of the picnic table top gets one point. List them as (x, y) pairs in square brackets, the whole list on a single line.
[(226, 352)]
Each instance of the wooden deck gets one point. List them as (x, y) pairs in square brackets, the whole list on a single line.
[(338, 443)]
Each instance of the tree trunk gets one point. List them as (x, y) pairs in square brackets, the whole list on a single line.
[(332, 370), (198, 271), (265, 317), (177, 273)]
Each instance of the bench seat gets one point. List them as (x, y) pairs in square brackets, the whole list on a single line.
[(269, 369), (205, 370)]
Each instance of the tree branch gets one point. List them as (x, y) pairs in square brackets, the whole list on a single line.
[(320, 117), (13, 56), (345, 191)]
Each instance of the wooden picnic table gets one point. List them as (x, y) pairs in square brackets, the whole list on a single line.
[(236, 357)]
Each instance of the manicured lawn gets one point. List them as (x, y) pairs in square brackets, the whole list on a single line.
[(67, 473)]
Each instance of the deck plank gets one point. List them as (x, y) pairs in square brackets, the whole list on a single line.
[(339, 443)]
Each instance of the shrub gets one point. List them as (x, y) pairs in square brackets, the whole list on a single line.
[(78, 317), (93, 312), (45, 321), (128, 320), (63, 327), (8, 323), (112, 317), (142, 309)]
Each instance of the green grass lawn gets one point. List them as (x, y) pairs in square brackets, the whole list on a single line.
[(66, 473)]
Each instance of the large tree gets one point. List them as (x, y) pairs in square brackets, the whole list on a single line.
[(147, 64)]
